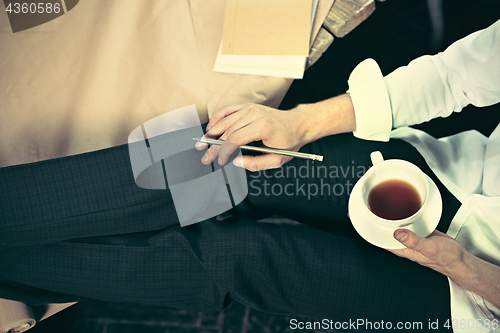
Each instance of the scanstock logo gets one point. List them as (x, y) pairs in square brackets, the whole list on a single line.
[(26, 14)]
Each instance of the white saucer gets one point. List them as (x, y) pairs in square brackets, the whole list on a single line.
[(383, 237)]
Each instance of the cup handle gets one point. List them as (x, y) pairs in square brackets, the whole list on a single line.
[(376, 157)]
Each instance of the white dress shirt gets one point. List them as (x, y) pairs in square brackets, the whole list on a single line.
[(468, 163)]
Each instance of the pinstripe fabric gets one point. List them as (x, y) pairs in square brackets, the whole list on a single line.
[(78, 227)]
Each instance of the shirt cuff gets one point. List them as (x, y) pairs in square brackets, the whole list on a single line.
[(371, 102)]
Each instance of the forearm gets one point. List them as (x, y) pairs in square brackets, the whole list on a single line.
[(478, 276), (447, 256), (332, 116)]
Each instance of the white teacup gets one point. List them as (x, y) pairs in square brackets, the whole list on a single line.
[(393, 169)]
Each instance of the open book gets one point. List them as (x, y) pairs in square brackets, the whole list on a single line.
[(268, 38)]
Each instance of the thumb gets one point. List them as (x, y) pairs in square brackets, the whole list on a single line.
[(409, 239)]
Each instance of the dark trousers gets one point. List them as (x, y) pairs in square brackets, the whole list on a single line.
[(79, 227)]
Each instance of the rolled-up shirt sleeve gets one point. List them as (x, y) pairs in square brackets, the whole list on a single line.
[(371, 102)]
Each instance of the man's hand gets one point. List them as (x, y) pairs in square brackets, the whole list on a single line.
[(241, 124), (438, 251), (447, 256), (244, 123)]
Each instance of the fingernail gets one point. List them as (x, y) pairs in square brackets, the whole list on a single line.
[(238, 162), (401, 236), (208, 128), (199, 145), (220, 161), (205, 158)]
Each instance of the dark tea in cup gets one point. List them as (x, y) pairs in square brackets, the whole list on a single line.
[(394, 199)]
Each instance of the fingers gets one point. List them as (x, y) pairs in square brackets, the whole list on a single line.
[(225, 124), (249, 133), (261, 162), (227, 118), (412, 241), (218, 129), (408, 238), (241, 137), (221, 153), (225, 127), (251, 163), (200, 145), (238, 125), (210, 155), (413, 245), (223, 112)]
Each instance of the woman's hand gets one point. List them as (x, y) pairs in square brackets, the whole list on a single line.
[(241, 124), (438, 251)]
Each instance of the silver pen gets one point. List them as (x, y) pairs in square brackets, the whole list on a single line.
[(266, 150)]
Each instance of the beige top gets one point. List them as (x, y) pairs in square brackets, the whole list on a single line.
[(85, 80)]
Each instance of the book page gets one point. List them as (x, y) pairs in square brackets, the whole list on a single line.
[(263, 27)]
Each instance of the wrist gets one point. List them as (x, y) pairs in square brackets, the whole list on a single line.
[(461, 270), (477, 275), (329, 117), (305, 124)]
